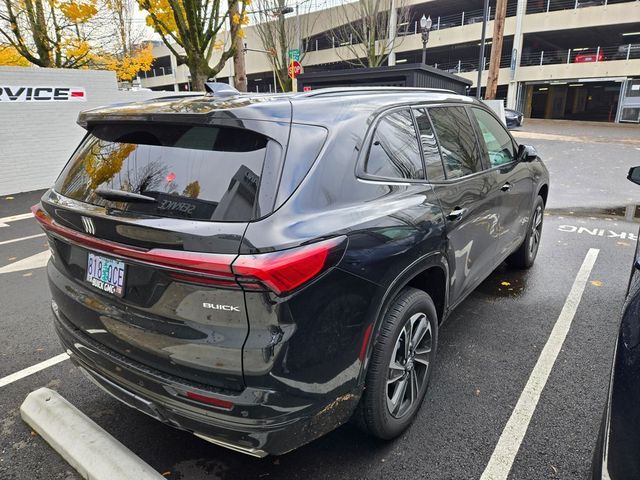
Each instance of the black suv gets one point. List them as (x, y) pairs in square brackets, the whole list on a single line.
[(260, 269)]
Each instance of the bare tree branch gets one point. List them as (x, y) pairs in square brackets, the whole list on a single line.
[(363, 35), (278, 34)]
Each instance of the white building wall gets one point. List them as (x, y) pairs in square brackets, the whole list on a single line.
[(37, 139)]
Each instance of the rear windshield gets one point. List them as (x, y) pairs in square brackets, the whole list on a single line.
[(200, 173)]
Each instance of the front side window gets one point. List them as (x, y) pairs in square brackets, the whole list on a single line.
[(500, 146), (394, 152), (457, 141)]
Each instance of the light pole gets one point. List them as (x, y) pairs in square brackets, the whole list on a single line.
[(425, 26), (483, 38)]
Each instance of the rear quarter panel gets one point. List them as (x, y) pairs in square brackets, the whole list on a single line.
[(316, 341)]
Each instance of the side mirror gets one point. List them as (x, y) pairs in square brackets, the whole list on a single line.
[(634, 175), (527, 153)]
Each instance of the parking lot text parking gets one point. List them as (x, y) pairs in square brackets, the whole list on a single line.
[(598, 232)]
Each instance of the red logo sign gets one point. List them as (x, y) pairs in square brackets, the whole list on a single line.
[(42, 94)]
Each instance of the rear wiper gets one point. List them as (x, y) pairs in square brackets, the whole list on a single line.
[(122, 196)]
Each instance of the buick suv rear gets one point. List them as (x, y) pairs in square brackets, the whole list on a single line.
[(258, 270)]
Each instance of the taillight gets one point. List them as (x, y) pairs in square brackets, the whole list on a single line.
[(284, 271), (216, 266), (281, 272)]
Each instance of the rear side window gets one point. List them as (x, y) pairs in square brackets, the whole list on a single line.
[(394, 151), (432, 159), (200, 173), (457, 141), (500, 146)]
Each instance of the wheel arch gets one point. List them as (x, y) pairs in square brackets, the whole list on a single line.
[(543, 191), (430, 274)]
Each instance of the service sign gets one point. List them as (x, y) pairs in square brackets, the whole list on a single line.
[(42, 94)]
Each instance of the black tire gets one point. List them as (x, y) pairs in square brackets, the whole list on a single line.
[(373, 413), (526, 253)]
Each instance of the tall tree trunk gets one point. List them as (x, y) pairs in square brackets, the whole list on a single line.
[(496, 50), (199, 70), (239, 67)]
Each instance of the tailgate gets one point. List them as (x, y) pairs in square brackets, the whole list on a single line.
[(144, 224)]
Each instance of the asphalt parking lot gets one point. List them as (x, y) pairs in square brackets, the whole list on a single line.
[(488, 349)]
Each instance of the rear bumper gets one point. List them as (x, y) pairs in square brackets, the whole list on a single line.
[(261, 422)]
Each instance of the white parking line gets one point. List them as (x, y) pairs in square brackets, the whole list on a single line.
[(14, 218), (13, 240), (14, 377), (514, 431), (38, 260)]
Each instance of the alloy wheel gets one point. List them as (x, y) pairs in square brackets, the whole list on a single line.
[(409, 365), (536, 231)]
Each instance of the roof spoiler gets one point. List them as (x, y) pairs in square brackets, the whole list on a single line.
[(220, 89)]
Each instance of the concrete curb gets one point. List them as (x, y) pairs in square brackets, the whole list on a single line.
[(93, 452)]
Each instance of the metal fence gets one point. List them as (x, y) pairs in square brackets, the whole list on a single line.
[(628, 51), (412, 27), (582, 55)]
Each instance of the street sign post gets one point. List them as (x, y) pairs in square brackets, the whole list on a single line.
[(295, 69), (294, 54)]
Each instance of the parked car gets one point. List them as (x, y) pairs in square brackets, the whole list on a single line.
[(543, 58), (514, 118), (464, 67), (475, 19), (589, 57), (589, 3), (630, 49), (259, 270), (444, 24), (617, 453)]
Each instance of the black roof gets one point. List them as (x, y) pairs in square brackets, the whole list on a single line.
[(303, 107)]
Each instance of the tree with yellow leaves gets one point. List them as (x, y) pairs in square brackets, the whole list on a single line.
[(73, 34), (127, 53), (48, 33), (10, 56), (191, 30)]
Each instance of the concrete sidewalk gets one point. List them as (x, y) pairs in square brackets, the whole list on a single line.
[(574, 131)]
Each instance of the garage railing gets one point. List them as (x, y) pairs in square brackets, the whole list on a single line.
[(582, 55)]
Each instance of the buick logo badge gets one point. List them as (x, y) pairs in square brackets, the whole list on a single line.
[(87, 223)]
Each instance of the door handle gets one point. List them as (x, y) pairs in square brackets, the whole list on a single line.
[(456, 214), (506, 187)]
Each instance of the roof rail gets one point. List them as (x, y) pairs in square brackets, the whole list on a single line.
[(339, 90)]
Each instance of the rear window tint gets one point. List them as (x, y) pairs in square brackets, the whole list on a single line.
[(200, 173)]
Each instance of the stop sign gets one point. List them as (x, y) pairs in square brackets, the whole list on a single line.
[(295, 69)]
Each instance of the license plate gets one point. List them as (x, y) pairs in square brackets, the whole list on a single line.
[(106, 274)]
